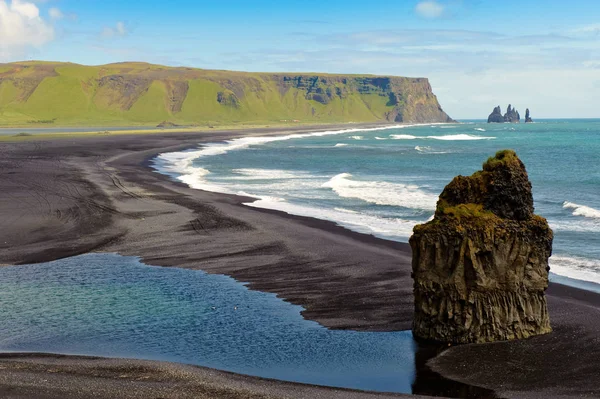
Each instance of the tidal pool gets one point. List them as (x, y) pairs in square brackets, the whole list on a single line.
[(115, 306)]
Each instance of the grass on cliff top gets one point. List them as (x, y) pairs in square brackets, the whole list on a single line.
[(502, 157), (37, 93), (464, 211), (137, 67), (472, 215)]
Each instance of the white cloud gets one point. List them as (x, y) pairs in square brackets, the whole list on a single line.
[(429, 9), (588, 30), (55, 13), (22, 28), (592, 64), (119, 30)]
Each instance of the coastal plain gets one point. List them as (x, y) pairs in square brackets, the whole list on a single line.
[(73, 195)]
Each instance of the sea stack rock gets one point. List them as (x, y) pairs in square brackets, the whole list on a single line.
[(496, 116), (512, 115), (527, 116), (480, 267)]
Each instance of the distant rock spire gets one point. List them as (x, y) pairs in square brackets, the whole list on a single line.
[(511, 116), (496, 116), (527, 116)]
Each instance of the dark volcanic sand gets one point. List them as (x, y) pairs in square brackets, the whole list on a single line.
[(69, 196), (38, 376)]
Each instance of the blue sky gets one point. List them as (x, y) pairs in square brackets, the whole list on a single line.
[(544, 55)]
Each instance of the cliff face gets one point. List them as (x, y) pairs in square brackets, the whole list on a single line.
[(148, 94), (481, 266)]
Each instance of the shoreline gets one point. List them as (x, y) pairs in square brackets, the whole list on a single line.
[(13, 134), (169, 168), (177, 165), (104, 197), (42, 375)]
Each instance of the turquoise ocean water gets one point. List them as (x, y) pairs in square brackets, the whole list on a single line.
[(385, 181)]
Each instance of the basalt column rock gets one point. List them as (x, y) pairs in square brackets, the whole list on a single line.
[(512, 115), (496, 116), (480, 267), (527, 116)]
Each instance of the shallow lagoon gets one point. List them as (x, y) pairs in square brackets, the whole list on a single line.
[(109, 305)]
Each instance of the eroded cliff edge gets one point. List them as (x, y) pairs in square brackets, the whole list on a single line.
[(64, 93), (480, 267)]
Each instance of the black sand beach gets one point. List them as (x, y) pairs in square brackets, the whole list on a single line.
[(68, 196)]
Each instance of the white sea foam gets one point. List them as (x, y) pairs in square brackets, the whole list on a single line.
[(356, 137), (578, 226), (346, 210), (380, 138), (196, 178), (449, 137), (270, 174), (340, 145), (180, 161), (576, 267), (403, 137), (363, 223), (382, 193), (429, 150), (295, 184), (479, 129), (582, 210), (181, 164), (459, 137)]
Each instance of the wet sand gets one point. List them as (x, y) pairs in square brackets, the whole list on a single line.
[(69, 196), (37, 376)]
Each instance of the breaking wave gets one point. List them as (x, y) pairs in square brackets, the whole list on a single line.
[(270, 174), (576, 268), (180, 164), (429, 150), (403, 137), (382, 193), (363, 223), (459, 137), (582, 210)]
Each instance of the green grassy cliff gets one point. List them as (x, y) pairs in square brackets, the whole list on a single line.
[(39, 93)]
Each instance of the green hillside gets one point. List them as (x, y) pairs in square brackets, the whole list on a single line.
[(47, 93)]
